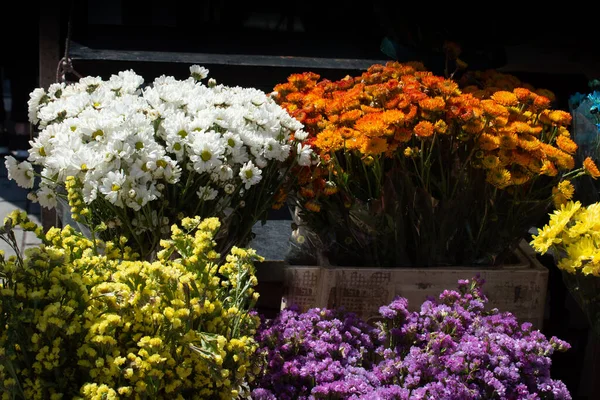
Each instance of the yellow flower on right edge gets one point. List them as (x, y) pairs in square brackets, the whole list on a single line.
[(573, 232)]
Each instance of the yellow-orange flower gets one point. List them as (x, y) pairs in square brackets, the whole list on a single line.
[(474, 127), (590, 168), (505, 98), (447, 87), (494, 109), (393, 117), (312, 205), (509, 140), (307, 192), (499, 177), (548, 168), (560, 117), (432, 104), (564, 161), (349, 117), (402, 135), (523, 94), (540, 102), (566, 144), (440, 126), (487, 141), (490, 161), (372, 125), (423, 129), (329, 140), (566, 188), (374, 146), (519, 177), (528, 142)]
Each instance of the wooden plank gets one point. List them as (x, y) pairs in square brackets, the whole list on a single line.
[(81, 52), (519, 288)]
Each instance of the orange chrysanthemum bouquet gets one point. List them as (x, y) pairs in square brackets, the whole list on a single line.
[(413, 171)]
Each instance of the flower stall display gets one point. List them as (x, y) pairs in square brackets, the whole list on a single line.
[(451, 349), (572, 236), (88, 319), (415, 172), (143, 157)]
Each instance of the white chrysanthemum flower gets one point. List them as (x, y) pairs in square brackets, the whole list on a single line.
[(207, 150), (304, 154), (21, 173), (223, 173), (90, 190), (46, 196), (112, 187), (207, 193), (229, 188), (33, 104), (250, 174), (300, 135), (198, 72)]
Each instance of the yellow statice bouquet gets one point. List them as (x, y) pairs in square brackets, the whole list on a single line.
[(572, 235), (415, 171), (87, 319)]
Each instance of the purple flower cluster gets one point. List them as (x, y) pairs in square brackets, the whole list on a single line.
[(451, 349)]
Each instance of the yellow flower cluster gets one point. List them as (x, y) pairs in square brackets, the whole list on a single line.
[(573, 232), (80, 319)]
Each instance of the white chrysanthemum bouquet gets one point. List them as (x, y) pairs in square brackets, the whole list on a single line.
[(144, 156)]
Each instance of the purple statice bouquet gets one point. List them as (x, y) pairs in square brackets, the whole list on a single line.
[(451, 349)]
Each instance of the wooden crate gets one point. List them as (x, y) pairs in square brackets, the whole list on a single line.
[(519, 287)]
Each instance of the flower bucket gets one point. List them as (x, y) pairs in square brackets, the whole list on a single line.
[(518, 286)]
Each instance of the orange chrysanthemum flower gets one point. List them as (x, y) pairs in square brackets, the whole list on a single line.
[(560, 117), (349, 117), (403, 135), (590, 168), (565, 161), (505, 98), (521, 158), (523, 94), (307, 192), (490, 161), (499, 177), (347, 133), (540, 102), (519, 177), (447, 87), (329, 140), (566, 188), (432, 104), (528, 142), (566, 144), (509, 140), (393, 117), (440, 126), (312, 205), (493, 108), (474, 127), (488, 142), (372, 125), (330, 188), (521, 127), (423, 129), (374, 146), (548, 168)]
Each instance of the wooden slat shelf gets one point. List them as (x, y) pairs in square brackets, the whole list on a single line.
[(81, 52)]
